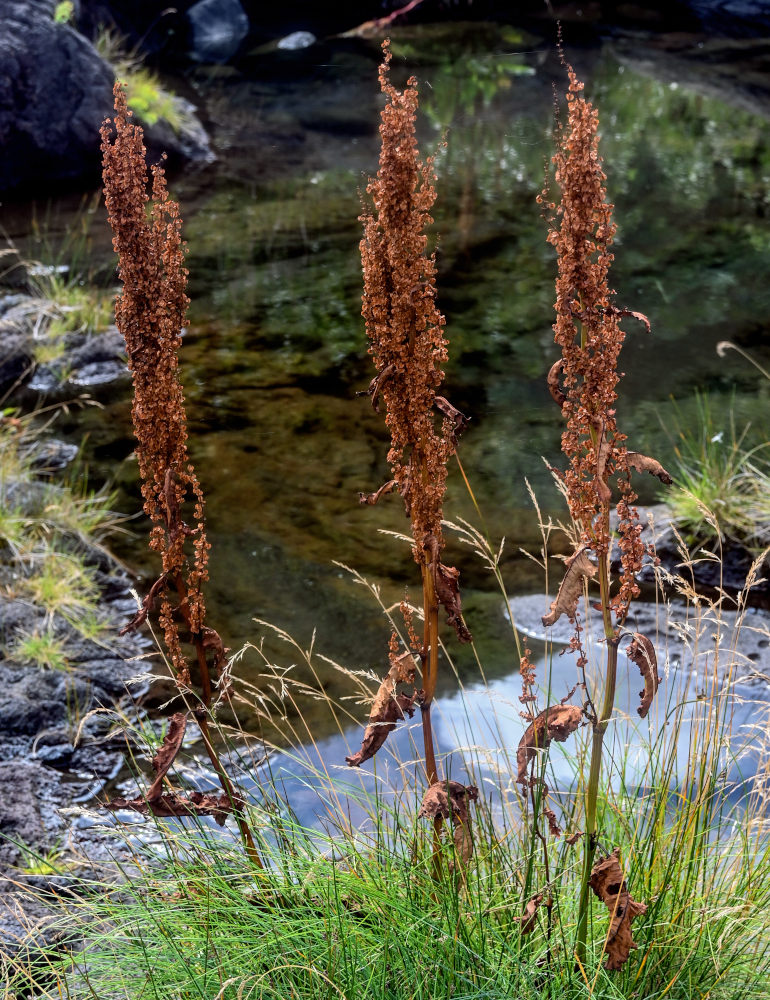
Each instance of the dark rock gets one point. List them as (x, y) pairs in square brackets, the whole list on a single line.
[(27, 815), (218, 28), (32, 699), (51, 455), (55, 91)]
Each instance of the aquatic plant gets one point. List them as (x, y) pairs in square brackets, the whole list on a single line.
[(407, 345), (583, 383), (150, 314)]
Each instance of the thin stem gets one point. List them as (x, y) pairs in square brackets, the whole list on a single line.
[(597, 743), (430, 676)]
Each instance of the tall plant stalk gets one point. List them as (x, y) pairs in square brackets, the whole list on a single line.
[(406, 342), (150, 313), (583, 382)]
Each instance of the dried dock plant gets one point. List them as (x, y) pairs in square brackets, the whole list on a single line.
[(583, 382), (408, 347), (150, 313)]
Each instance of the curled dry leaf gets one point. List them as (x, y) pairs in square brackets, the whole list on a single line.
[(528, 920), (388, 708), (147, 605), (457, 420), (167, 751), (377, 384), (634, 315), (554, 723), (604, 449), (450, 800), (371, 498), (643, 463), (446, 582), (554, 386), (642, 652), (172, 804), (579, 568), (609, 885)]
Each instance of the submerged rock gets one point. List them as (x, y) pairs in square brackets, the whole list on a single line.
[(218, 28)]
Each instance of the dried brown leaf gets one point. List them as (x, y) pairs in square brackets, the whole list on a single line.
[(167, 751), (371, 499), (388, 708), (172, 804), (609, 885), (554, 723), (529, 919), (447, 586), (147, 605), (554, 386), (643, 463), (448, 799), (642, 652), (579, 568), (457, 420), (634, 315)]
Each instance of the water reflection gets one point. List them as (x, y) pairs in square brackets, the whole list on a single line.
[(276, 350)]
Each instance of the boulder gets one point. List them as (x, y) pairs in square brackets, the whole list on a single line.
[(55, 92), (218, 28)]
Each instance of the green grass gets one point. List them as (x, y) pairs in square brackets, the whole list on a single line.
[(40, 649), (721, 481), (67, 305), (50, 533)]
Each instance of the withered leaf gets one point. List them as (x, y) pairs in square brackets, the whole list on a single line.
[(529, 919), (643, 463), (642, 652), (172, 804), (147, 605), (371, 498), (447, 586), (554, 386), (388, 708), (579, 568), (634, 315), (448, 799), (553, 826), (167, 751), (554, 723), (376, 386), (457, 419), (609, 885)]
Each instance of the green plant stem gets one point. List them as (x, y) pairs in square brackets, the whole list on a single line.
[(430, 676), (597, 742)]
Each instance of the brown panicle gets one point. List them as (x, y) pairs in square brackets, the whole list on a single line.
[(642, 652), (579, 568), (554, 723), (388, 707), (609, 884), (405, 327), (150, 313)]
